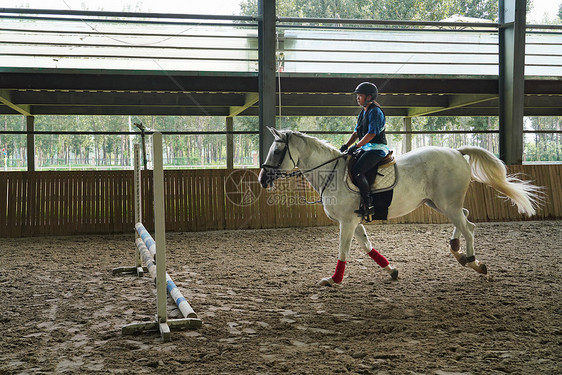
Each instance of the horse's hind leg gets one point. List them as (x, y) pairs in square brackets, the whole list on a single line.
[(466, 228), (455, 242), (363, 239)]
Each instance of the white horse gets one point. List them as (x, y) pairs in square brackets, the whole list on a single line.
[(436, 176)]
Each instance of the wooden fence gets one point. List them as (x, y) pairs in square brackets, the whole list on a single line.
[(78, 202)]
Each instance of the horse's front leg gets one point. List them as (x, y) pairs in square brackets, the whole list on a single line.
[(363, 239), (346, 235)]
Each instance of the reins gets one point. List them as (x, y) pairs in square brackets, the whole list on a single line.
[(301, 172), (328, 180)]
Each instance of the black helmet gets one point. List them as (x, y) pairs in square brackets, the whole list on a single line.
[(367, 88)]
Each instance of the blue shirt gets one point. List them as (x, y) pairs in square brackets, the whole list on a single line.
[(376, 125)]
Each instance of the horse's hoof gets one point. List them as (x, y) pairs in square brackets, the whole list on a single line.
[(327, 281), (394, 274), (478, 267), (483, 269), (460, 257)]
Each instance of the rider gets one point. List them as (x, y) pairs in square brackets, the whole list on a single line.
[(372, 147)]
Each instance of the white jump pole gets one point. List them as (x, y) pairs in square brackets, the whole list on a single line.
[(160, 232), (153, 252), (137, 201)]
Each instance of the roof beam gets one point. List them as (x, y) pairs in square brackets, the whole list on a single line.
[(6, 99), (114, 98), (455, 101), (325, 112), (131, 110), (251, 99)]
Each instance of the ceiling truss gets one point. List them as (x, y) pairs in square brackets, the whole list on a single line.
[(59, 93)]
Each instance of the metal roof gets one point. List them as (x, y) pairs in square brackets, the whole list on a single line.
[(102, 64)]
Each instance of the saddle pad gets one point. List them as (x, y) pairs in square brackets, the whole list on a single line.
[(387, 177)]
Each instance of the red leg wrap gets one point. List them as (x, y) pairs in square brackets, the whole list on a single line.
[(338, 275), (377, 257)]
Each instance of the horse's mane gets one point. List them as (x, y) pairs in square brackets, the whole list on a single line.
[(311, 141)]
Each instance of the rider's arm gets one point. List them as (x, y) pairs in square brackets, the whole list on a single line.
[(351, 139)]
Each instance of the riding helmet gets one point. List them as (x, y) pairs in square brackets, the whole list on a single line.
[(367, 88)]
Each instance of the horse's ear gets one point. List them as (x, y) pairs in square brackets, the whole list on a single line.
[(275, 133)]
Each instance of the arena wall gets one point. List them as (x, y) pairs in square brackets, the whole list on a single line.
[(81, 202)]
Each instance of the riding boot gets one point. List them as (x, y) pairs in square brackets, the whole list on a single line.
[(366, 207)]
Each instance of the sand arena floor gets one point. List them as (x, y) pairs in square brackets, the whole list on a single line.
[(62, 309)]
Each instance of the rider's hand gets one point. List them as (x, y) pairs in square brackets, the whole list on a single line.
[(352, 149), (343, 148)]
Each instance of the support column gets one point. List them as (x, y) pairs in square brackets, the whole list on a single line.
[(229, 143), (266, 56), (30, 143), (407, 142), (511, 79)]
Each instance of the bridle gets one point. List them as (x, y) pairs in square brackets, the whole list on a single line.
[(298, 172), (281, 158)]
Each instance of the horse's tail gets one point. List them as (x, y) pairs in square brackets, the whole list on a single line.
[(490, 170)]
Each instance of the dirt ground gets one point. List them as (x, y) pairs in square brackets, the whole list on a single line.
[(255, 290)]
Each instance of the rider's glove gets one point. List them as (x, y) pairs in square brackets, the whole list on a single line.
[(343, 148), (352, 149)]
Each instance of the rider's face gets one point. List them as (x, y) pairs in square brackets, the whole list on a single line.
[(361, 98)]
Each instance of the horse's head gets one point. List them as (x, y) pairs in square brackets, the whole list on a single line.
[(279, 158)]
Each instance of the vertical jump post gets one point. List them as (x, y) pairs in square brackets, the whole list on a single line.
[(137, 199), (153, 253), (160, 230), (138, 203)]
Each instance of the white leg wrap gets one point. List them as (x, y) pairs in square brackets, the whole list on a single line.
[(327, 281)]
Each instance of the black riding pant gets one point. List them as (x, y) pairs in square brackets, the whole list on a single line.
[(365, 161)]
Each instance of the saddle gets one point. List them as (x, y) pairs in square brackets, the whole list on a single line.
[(387, 172), (382, 188)]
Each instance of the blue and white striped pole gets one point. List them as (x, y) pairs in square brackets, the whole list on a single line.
[(184, 306), (147, 238), (142, 245)]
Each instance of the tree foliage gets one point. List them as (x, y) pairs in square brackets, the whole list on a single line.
[(61, 151), (426, 10)]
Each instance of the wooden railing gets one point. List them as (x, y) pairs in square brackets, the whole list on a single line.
[(68, 203)]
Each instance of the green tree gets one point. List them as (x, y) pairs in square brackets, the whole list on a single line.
[(543, 146), (423, 10), (14, 146), (426, 10)]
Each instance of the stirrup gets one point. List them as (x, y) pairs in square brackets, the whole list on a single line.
[(365, 211), (367, 218)]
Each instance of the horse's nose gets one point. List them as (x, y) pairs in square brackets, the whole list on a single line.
[(263, 178), (267, 176)]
